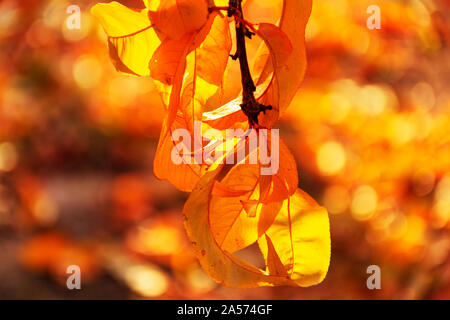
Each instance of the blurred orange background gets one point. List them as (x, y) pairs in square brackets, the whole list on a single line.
[(370, 130)]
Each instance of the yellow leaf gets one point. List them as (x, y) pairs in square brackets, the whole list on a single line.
[(205, 67), (170, 66), (301, 238), (274, 264), (232, 226), (250, 207), (131, 37)]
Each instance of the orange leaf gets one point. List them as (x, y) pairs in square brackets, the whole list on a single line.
[(172, 62), (278, 182), (205, 68), (184, 176), (213, 53), (168, 58), (176, 18), (238, 220), (223, 267), (280, 93), (179, 67), (309, 242), (280, 49)]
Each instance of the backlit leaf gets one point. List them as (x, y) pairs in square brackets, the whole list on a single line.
[(300, 236), (131, 37), (176, 18), (293, 21), (238, 221), (184, 176), (280, 49), (307, 221)]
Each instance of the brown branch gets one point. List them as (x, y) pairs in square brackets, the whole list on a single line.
[(249, 106)]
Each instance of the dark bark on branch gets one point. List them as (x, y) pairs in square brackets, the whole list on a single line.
[(249, 105)]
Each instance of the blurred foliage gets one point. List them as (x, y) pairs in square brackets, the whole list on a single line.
[(370, 129)]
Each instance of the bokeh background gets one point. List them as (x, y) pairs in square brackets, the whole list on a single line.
[(370, 129)]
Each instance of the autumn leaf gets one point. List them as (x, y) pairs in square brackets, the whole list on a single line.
[(132, 39), (295, 15), (280, 49), (176, 18), (206, 65), (184, 176), (300, 237), (273, 261), (213, 53), (240, 215), (138, 47), (221, 266), (176, 61), (305, 255), (169, 56)]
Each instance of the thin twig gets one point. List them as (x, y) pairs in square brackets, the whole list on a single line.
[(249, 106)]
